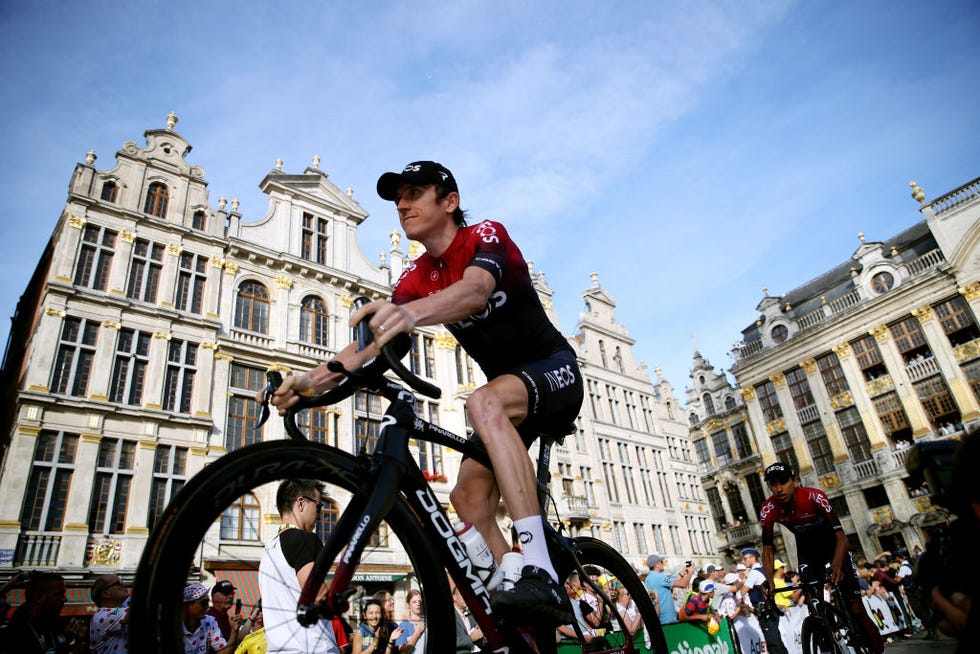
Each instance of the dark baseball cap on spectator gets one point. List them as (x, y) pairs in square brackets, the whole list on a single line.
[(750, 550), (653, 559), (224, 586), (417, 173), (711, 568)]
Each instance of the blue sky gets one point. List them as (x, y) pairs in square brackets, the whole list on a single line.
[(688, 152)]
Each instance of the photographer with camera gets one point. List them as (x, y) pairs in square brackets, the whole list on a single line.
[(663, 584), (949, 468)]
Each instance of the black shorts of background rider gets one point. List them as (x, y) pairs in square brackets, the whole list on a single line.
[(554, 396)]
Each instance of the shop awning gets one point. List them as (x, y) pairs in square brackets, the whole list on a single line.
[(246, 583)]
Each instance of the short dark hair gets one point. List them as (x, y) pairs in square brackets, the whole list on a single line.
[(459, 216), (41, 583), (99, 586), (292, 489)]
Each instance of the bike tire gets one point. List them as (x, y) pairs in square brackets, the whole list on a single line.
[(156, 605), (817, 637), (590, 551)]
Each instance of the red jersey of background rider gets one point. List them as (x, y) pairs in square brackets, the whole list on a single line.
[(808, 514), (513, 328)]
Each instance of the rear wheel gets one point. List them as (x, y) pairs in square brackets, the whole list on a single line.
[(611, 564), (187, 528)]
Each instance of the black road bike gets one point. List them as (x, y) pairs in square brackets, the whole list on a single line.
[(829, 627), (384, 488)]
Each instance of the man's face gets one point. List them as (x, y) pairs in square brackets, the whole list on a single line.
[(307, 510), (222, 602), (458, 598), (116, 592), (783, 490), (749, 560), (573, 586), (197, 608), (54, 598), (421, 213)]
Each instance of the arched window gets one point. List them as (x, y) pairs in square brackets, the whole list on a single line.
[(327, 522), (693, 418), (252, 308), (199, 220), (109, 191), (240, 521), (709, 405), (157, 197), (314, 321), (729, 402)]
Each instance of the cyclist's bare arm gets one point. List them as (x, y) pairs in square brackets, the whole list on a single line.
[(454, 303), (768, 566), (840, 554)]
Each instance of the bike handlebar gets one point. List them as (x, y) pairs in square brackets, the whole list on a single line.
[(368, 376)]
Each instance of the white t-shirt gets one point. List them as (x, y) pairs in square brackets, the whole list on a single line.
[(754, 577), (280, 592)]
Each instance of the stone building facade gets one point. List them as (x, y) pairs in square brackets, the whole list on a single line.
[(151, 320), (843, 374)]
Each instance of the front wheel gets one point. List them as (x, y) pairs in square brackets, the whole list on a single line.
[(610, 564), (197, 526)]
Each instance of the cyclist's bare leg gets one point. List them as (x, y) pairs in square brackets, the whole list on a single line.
[(475, 499)]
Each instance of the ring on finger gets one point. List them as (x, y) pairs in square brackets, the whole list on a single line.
[(382, 328)]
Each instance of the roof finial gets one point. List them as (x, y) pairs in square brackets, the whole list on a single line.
[(171, 120), (278, 164), (765, 291), (316, 161), (90, 157), (861, 236), (918, 193), (234, 204), (350, 192), (595, 278)]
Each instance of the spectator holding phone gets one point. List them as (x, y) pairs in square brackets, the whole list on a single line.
[(663, 584)]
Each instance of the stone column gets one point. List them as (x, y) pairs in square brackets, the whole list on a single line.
[(212, 288), (168, 276), (139, 504), (157, 365), (204, 380), (121, 258), (74, 541), (66, 252), (44, 348), (105, 348)]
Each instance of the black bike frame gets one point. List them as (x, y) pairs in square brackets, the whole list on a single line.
[(398, 472)]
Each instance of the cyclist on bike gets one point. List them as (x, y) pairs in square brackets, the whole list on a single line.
[(474, 280), (820, 540)]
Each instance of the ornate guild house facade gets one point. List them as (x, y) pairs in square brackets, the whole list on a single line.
[(151, 320)]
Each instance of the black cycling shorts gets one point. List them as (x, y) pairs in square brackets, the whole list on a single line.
[(554, 396)]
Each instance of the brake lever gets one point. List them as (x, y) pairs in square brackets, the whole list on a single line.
[(275, 381)]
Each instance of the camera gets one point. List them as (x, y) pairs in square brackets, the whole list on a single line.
[(688, 564), (947, 466)]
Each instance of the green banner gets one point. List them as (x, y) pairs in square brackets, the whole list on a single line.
[(682, 638)]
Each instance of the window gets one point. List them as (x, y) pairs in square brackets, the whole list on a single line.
[(799, 388), (191, 280), (73, 363), (658, 536), (709, 405), (613, 404), (464, 367), (816, 440), (936, 399), (145, 271), (110, 492), (876, 496), (329, 515), (972, 371), (734, 496), (757, 492), (840, 506), (641, 539), (157, 197), (891, 413), (95, 257), (240, 521), (129, 367), (779, 334), (909, 338), (832, 374), (110, 191), (314, 238), (243, 412), (588, 484), (602, 353), (595, 402), (252, 307), (366, 428), (729, 402), (315, 423), (854, 434), (380, 537), (743, 444), (882, 282), (782, 445), (314, 321), (169, 476), (723, 449), (178, 384), (957, 320), (766, 392), (868, 357), (50, 479), (717, 508), (618, 358), (701, 448), (199, 220), (430, 356)]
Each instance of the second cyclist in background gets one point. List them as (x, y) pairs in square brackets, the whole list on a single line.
[(474, 280)]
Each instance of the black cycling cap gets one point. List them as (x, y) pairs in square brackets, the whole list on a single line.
[(417, 173), (780, 472)]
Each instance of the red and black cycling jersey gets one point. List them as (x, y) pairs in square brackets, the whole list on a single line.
[(808, 514), (513, 328)]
